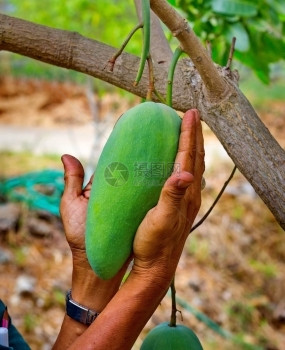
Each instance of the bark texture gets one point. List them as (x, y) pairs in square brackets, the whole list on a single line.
[(227, 112)]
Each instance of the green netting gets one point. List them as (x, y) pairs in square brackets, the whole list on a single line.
[(39, 190)]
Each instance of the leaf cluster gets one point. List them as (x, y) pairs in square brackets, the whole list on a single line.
[(258, 25)]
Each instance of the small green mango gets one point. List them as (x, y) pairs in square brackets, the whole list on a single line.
[(164, 337), (132, 169)]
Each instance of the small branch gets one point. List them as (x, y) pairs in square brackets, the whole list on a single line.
[(113, 59), (159, 96), (231, 54), (209, 48), (150, 79), (215, 201), (216, 86)]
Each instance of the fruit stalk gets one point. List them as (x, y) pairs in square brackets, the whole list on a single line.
[(146, 39), (174, 60), (172, 322)]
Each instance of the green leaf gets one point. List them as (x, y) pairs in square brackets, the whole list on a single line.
[(260, 67), (242, 40), (220, 51), (279, 5), (235, 7)]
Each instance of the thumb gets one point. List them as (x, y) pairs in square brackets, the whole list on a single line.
[(174, 189), (73, 176)]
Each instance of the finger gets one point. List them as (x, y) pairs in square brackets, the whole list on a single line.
[(200, 152), (193, 196), (185, 158), (173, 191), (73, 176)]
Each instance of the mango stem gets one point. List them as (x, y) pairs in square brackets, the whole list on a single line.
[(172, 322), (174, 60), (146, 39)]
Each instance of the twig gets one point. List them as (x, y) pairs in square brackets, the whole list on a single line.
[(231, 54), (215, 201), (159, 96), (113, 59), (209, 48), (150, 89)]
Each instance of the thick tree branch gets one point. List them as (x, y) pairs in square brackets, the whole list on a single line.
[(248, 142), (73, 51)]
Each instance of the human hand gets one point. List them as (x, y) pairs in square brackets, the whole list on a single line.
[(73, 206), (161, 236), (73, 210)]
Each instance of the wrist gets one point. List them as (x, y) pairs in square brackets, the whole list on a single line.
[(156, 277), (79, 312), (90, 290), (161, 270)]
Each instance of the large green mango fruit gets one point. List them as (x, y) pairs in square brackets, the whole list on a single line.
[(136, 160), (164, 337)]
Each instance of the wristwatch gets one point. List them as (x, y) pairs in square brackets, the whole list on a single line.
[(79, 312)]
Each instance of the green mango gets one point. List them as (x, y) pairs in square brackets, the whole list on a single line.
[(136, 160), (164, 337)]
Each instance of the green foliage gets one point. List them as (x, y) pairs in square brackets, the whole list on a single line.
[(258, 25)]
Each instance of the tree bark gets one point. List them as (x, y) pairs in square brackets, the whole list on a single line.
[(231, 117)]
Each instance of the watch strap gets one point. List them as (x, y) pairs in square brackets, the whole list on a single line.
[(79, 312)]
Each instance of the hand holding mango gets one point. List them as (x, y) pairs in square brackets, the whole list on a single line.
[(161, 236), (146, 137)]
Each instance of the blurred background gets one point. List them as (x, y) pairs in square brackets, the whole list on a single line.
[(231, 277)]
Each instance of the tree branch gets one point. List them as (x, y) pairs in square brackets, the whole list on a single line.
[(233, 120), (252, 148), (216, 86), (73, 51)]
